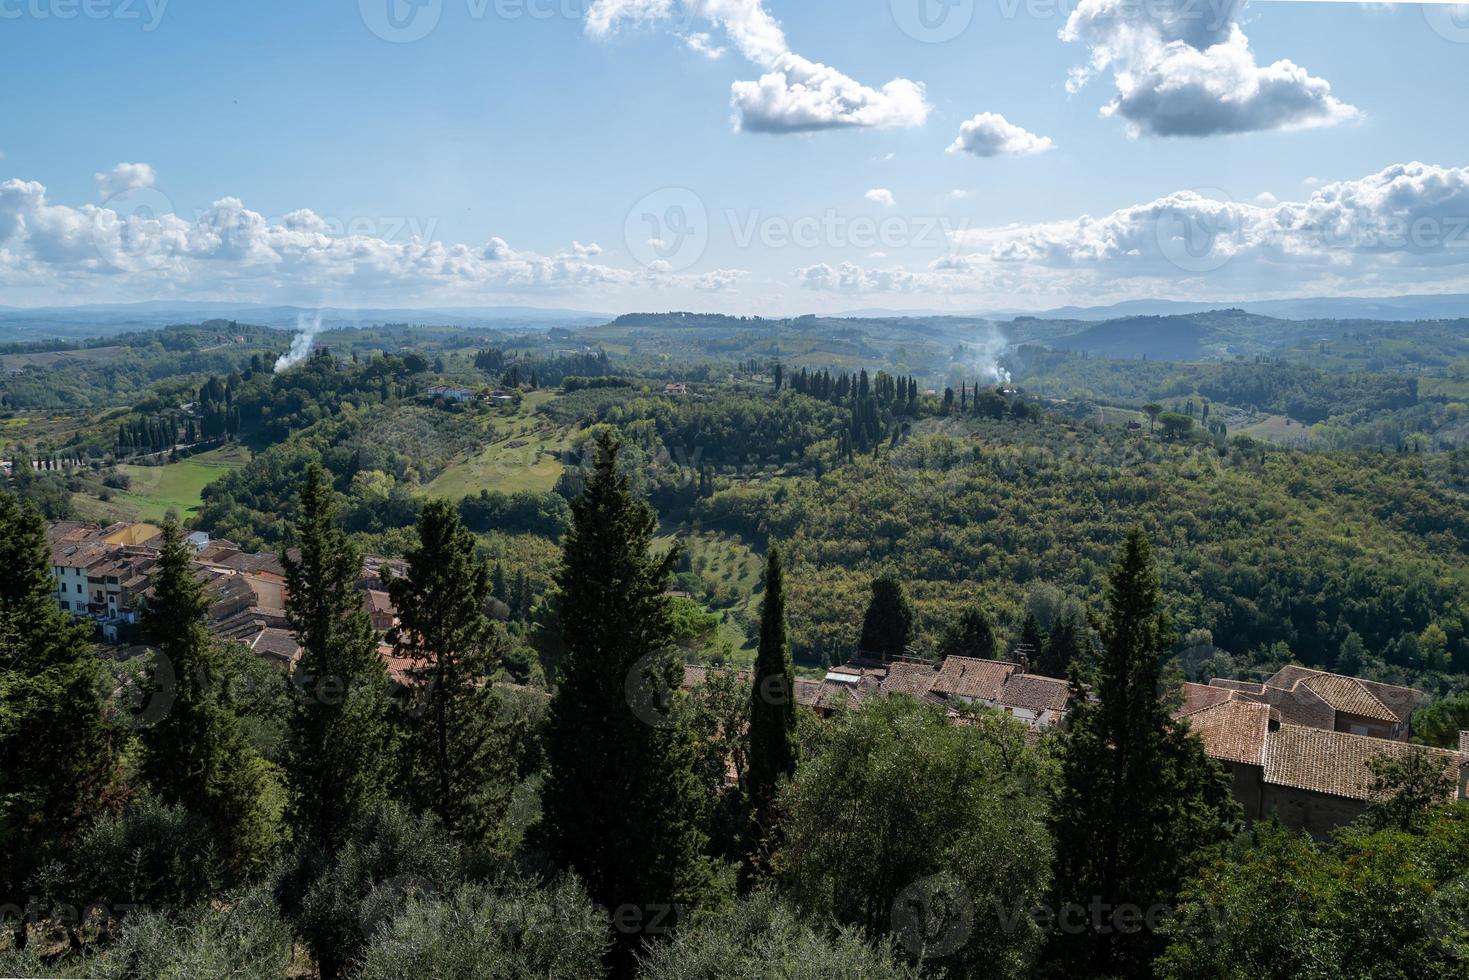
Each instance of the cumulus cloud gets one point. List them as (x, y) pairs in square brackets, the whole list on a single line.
[(794, 94), (1184, 68), (1406, 226), (881, 195), (990, 134), (123, 178), (227, 249)]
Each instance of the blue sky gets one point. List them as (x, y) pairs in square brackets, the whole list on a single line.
[(592, 154)]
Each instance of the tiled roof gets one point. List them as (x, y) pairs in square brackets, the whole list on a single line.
[(276, 644), (1034, 693), (967, 677), (1196, 696), (1235, 730), (1346, 694), (1335, 763), (913, 680)]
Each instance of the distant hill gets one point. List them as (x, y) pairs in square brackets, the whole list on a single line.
[(99, 320)]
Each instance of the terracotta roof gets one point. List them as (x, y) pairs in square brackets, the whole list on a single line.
[(808, 692), (1248, 687), (1196, 696), (1347, 694), (1335, 763), (275, 644), (1034, 693), (1232, 730), (967, 677), (911, 679)]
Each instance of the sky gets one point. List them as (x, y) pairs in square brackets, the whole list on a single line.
[(747, 156)]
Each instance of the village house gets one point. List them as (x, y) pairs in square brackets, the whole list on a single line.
[(1335, 702), (450, 393)]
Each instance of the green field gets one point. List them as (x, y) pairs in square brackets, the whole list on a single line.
[(534, 464), (156, 490)]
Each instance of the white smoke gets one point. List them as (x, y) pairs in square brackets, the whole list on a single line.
[(300, 347), (982, 355)]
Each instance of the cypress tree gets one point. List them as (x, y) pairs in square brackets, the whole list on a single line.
[(1032, 643), (337, 732), (55, 753), (772, 713), (970, 637), (197, 756), (622, 800), (453, 764), (1062, 647), (1139, 799), (888, 624)]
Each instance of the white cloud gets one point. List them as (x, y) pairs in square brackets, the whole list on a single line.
[(123, 178), (881, 195), (1184, 68), (958, 195), (1404, 227), (228, 250), (990, 134), (701, 43), (794, 94)]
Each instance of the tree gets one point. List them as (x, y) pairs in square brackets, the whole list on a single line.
[(888, 624), (622, 801), (1062, 647), (765, 937), (902, 824), (772, 710), (1032, 643), (337, 740), (56, 752), (972, 636), (1406, 789), (1139, 799), (197, 756), (454, 766), (1175, 425), (1152, 410)]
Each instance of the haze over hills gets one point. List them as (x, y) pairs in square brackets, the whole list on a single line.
[(1419, 307)]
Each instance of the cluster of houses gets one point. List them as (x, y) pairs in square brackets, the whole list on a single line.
[(462, 395), (1298, 746), (103, 572)]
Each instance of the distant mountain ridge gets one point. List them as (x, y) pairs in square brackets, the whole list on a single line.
[(1428, 306)]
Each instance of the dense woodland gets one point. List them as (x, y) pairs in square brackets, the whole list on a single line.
[(823, 487)]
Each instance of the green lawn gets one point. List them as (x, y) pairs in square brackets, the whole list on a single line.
[(155, 490)]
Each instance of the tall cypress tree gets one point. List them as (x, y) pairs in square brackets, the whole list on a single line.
[(772, 712), (337, 735), (970, 637), (1032, 642), (197, 756), (454, 766), (1139, 798), (1063, 645), (55, 752), (888, 624), (622, 800)]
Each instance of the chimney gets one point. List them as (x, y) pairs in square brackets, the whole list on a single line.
[(1464, 743)]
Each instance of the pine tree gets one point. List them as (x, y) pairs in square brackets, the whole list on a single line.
[(970, 637), (453, 764), (55, 752), (196, 756), (888, 624), (1139, 799), (772, 713), (337, 736), (622, 801), (1062, 647)]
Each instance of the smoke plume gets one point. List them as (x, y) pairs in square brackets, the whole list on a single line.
[(300, 347)]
